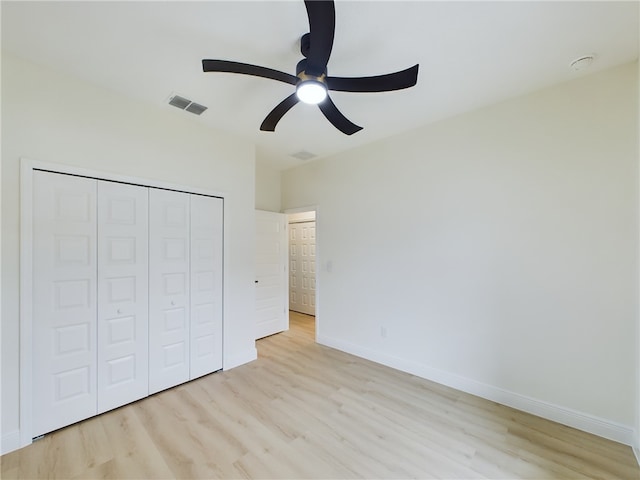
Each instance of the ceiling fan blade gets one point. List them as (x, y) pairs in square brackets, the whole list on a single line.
[(338, 120), (247, 69), (270, 122), (322, 24), (381, 83)]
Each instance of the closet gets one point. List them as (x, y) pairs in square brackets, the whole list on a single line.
[(127, 294)]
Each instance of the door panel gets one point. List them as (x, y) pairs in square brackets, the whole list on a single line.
[(302, 267), (206, 285), (168, 289), (123, 317), (64, 300), (271, 265)]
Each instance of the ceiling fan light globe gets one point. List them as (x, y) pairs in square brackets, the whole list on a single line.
[(311, 92)]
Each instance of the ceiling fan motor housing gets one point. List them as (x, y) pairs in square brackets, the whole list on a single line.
[(310, 88), (301, 72)]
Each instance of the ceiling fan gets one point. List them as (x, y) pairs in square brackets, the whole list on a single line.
[(311, 80)]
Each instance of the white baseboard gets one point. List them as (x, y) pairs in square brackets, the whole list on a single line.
[(636, 451), (10, 442), (241, 358), (572, 418)]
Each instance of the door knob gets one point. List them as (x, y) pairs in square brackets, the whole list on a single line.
[(119, 311), (172, 302)]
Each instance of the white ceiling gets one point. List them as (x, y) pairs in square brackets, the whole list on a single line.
[(471, 54)]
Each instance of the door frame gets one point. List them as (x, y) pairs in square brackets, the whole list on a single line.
[(27, 167), (319, 265)]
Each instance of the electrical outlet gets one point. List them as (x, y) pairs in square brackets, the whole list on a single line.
[(383, 332)]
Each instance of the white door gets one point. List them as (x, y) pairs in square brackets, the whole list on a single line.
[(168, 289), (206, 285), (302, 267), (64, 300), (272, 315), (123, 373)]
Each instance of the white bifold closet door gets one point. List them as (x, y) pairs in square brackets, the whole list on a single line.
[(127, 294), (64, 300), (123, 351), (206, 285), (185, 287), (169, 302)]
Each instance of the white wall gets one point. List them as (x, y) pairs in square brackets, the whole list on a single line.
[(55, 118), (268, 188), (498, 249)]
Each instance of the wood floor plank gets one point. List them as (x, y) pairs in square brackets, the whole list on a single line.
[(303, 410), (129, 440)]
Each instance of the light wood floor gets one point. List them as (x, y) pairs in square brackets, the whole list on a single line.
[(306, 411)]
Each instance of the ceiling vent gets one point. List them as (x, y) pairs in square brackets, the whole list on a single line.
[(303, 155), (186, 104)]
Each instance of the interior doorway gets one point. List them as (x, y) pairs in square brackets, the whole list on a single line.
[(303, 263)]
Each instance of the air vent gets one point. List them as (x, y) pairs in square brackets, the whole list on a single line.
[(180, 102), (186, 104), (195, 108), (303, 155)]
